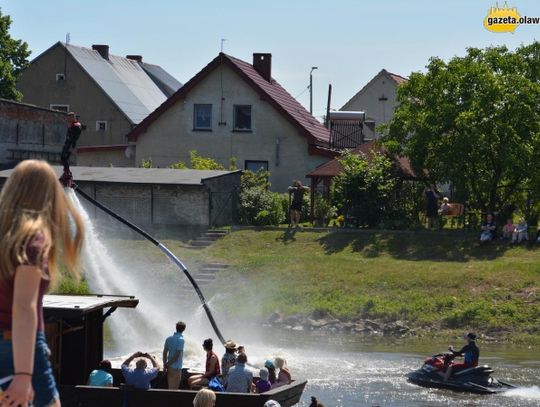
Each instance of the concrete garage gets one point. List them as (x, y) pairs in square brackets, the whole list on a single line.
[(160, 196)]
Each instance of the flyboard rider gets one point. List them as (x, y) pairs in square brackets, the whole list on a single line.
[(72, 135)]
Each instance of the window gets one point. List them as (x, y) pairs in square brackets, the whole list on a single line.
[(62, 108), (202, 117), (60, 77), (101, 126), (242, 117), (255, 166)]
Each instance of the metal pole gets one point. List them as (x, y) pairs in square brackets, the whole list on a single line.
[(311, 89)]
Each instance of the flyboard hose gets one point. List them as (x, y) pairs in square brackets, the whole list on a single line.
[(167, 252)]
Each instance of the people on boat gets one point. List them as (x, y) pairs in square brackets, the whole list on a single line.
[(240, 379), (227, 360), (263, 384), (272, 403), (101, 376), (204, 398), (141, 376), (470, 353), (284, 375), (271, 371), (36, 219), (173, 354), (212, 366)]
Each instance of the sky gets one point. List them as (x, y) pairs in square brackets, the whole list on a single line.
[(349, 41)]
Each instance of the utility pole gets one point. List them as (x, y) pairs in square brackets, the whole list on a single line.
[(311, 89)]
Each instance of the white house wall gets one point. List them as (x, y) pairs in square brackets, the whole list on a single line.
[(368, 100), (171, 137)]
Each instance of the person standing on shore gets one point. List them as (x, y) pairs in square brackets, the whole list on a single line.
[(297, 190), (36, 219)]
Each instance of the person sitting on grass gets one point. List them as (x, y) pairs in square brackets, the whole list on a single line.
[(520, 232), (102, 376), (508, 230), (470, 353), (140, 377), (488, 229)]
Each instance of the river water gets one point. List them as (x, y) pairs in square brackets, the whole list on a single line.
[(342, 370)]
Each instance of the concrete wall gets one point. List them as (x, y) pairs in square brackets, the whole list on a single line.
[(30, 132), (104, 159), (170, 138), (39, 86), (367, 100)]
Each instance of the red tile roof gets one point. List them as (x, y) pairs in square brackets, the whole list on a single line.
[(333, 168), (270, 91), (397, 78)]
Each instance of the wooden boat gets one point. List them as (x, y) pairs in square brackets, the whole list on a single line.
[(74, 329)]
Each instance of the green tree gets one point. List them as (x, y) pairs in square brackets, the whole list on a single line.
[(474, 122), (365, 190), (13, 59), (203, 163)]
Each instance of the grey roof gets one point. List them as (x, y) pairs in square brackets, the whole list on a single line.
[(83, 304), (123, 80), (166, 82), (138, 175)]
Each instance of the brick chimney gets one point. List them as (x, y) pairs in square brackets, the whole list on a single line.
[(103, 50), (137, 58), (263, 65)]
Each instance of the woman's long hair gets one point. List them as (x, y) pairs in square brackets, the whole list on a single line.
[(204, 398), (33, 202)]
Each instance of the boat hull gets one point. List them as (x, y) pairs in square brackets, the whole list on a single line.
[(82, 396)]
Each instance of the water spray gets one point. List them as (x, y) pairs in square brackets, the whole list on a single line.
[(68, 182)]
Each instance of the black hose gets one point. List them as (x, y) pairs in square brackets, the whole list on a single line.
[(167, 252)]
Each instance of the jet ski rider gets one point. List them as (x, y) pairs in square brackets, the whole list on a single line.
[(470, 353)]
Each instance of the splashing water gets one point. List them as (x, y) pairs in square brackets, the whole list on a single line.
[(527, 393)]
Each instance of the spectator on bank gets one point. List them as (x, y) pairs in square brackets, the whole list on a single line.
[(204, 398), (263, 384), (520, 232), (140, 377), (101, 376), (297, 190), (488, 229), (432, 205), (445, 207), (240, 379), (508, 230)]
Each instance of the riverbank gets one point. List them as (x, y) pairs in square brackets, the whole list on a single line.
[(382, 283)]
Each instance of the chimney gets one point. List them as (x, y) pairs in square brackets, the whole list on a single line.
[(263, 65), (137, 58), (103, 50)]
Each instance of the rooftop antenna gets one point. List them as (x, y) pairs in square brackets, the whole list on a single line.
[(65, 56), (222, 41)]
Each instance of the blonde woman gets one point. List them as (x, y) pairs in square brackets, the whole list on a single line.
[(204, 398), (284, 375), (35, 222)]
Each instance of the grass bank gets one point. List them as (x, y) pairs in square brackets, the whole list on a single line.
[(433, 281)]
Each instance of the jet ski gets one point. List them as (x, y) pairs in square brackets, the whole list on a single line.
[(475, 379)]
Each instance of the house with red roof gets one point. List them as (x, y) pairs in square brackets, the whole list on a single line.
[(232, 108), (378, 100)]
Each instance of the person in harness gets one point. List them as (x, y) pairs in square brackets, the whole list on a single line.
[(72, 135), (470, 353)]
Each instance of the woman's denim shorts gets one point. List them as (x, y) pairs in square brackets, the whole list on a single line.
[(42, 380)]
